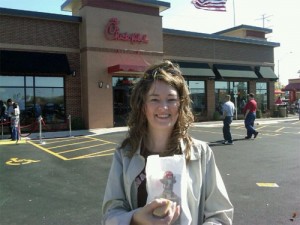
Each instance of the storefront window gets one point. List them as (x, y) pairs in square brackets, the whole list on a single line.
[(29, 81), (237, 91), (49, 81), (122, 87), (221, 90), (15, 81), (36, 96), (261, 96), (242, 91), (198, 96)]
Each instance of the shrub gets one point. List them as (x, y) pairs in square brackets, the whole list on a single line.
[(258, 113), (216, 115), (77, 123)]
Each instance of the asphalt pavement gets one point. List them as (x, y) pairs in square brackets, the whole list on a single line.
[(59, 177)]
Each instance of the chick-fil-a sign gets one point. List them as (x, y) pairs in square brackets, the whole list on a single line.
[(112, 32)]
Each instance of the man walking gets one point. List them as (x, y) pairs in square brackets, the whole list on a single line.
[(250, 116), (228, 112)]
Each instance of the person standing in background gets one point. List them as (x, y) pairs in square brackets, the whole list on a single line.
[(278, 101), (250, 116), (228, 112), (10, 111), (3, 111), (15, 121)]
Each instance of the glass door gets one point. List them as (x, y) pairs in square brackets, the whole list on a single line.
[(122, 87)]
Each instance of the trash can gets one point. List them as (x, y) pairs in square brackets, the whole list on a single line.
[(276, 113), (282, 111)]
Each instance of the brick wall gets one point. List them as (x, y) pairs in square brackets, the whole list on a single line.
[(216, 50), (210, 87), (201, 49), (49, 36), (271, 96), (38, 32), (73, 87)]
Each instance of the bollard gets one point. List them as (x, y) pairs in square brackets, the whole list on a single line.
[(40, 127), (18, 133), (70, 126), (1, 129)]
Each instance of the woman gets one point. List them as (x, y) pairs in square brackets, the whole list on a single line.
[(158, 124)]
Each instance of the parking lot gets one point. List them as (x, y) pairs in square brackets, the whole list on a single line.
[(61, 180)]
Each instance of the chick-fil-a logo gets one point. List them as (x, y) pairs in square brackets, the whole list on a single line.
[(112, 32)]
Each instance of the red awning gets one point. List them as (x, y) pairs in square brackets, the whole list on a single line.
[(123, 68), (278, 92), (292, 87)]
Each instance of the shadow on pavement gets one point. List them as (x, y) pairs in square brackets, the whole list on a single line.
[(220, 142)]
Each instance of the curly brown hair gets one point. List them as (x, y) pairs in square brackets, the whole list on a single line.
[(169, 73)]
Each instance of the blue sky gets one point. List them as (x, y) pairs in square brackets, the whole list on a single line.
[(282, 17)]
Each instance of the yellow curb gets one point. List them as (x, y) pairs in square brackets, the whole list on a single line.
[(267, 185), (9, 142)]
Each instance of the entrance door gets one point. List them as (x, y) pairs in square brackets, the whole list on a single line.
[(122, 87)]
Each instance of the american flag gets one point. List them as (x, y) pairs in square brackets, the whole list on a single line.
[(211, 5)]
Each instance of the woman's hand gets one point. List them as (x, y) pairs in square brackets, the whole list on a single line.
[(145, 215)]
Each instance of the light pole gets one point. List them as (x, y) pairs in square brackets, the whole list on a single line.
[(278, 65), (278, 70)]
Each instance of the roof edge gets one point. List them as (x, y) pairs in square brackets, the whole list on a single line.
[(246, 27), (43, 15), (220, 37)]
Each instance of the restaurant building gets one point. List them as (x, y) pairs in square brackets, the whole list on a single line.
[(84, 65), (293, 89)]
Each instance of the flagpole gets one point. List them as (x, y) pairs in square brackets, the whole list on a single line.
[(233, 13)]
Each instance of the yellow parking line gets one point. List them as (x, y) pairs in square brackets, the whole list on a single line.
[(46, 150), (107, 150), (76, 149), (270, 134), (278, 130), (260, 127), (205, 131), (267, 185), (100, 140), (10, 142), (239, 127), (96, 154), (58, 140), (82, 142)]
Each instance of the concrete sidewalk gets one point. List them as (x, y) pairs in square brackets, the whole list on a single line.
[(258, 121), (91, 132)]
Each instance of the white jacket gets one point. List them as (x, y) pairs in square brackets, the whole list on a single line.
[(207, 196)]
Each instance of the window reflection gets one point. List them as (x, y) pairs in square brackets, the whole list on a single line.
[(261, 96), (51, 101), (49, 82), (197, 90), (9, 81), (29, 81), (36, 96), (122, 87), (223, 88)]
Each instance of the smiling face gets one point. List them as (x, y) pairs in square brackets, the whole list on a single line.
[(161, 107)]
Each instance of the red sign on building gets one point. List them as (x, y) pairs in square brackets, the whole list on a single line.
[(112, 32)]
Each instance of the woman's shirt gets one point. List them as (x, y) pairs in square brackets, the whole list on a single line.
[(206, 195)]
